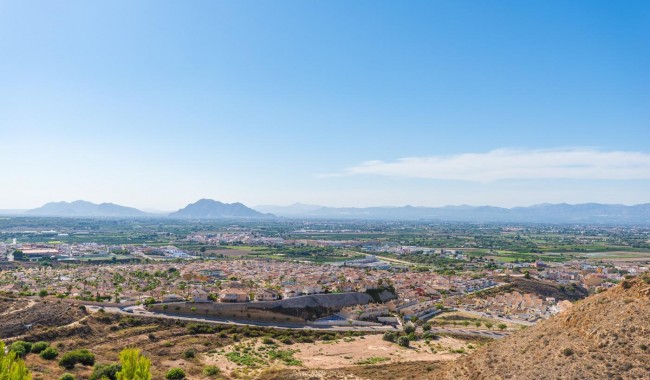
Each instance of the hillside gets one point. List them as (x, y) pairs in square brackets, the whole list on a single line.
[(541, 288), (604, 336), (85, 209), (211, 209)]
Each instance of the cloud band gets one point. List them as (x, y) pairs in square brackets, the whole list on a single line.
[(502, 164)]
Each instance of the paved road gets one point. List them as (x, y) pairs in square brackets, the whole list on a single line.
[(140, 311)]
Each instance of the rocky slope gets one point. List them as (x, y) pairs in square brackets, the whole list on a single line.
[(606, 336)]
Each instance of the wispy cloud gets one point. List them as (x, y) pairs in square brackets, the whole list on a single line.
[(500, 164)]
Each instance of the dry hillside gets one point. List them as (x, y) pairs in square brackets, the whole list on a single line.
[(605, 336)]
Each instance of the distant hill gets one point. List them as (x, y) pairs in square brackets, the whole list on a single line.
[(594, 213), (12, 212), (291, 210), (211, 209), (85, 209)]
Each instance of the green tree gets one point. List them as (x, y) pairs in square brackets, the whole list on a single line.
[(18, 255), (502, 326), (489, 325), (12, 367), (135, 366)]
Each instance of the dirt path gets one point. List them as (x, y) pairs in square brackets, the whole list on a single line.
[(30, 303)]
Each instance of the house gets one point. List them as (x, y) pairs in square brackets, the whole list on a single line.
[(266, 295), (173, 298), (233, 295), (199, 295)]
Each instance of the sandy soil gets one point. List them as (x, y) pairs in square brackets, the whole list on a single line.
[(326, 355), (335, 355)]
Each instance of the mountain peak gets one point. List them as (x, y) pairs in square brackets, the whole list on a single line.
[(211, 209), (81, 208)]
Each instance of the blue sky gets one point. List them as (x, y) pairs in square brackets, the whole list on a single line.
[(155, 104)]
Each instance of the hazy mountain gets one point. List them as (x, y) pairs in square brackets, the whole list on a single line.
[(543, 213), (12, 212), (85, 209), (211, 209), (294, 209)]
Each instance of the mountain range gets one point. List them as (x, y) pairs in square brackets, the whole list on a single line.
[(592, 213), (542, 213), (85, 209), (202, 209)]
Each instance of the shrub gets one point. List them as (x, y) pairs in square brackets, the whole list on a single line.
[(389, 336), (70, 359), (105, 371), (409, 328), (175, 374), (267, 340), (21, 348), (426, 327), (189, 353), (567, 352), (403, 341), (67, 376), (626, 284), (49, 353), (39, 346), (211, 370)]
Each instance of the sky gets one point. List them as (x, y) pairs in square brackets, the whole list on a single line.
[(155, 104)]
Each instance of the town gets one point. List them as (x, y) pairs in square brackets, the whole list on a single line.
[(245, 265)]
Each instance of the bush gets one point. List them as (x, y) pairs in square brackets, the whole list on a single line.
[(105, 371), (21, 348), (67, 376), (70, 359), (39, 346), (403, 341), (189, 353), (267, 340), (211, 370), (567, 352), (409, 328), (426, 327), (389, 336), (49, 353), (175, 374)]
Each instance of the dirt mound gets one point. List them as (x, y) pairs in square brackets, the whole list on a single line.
[(20, 316), (605, 336), (549, 289), (541, 288)]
